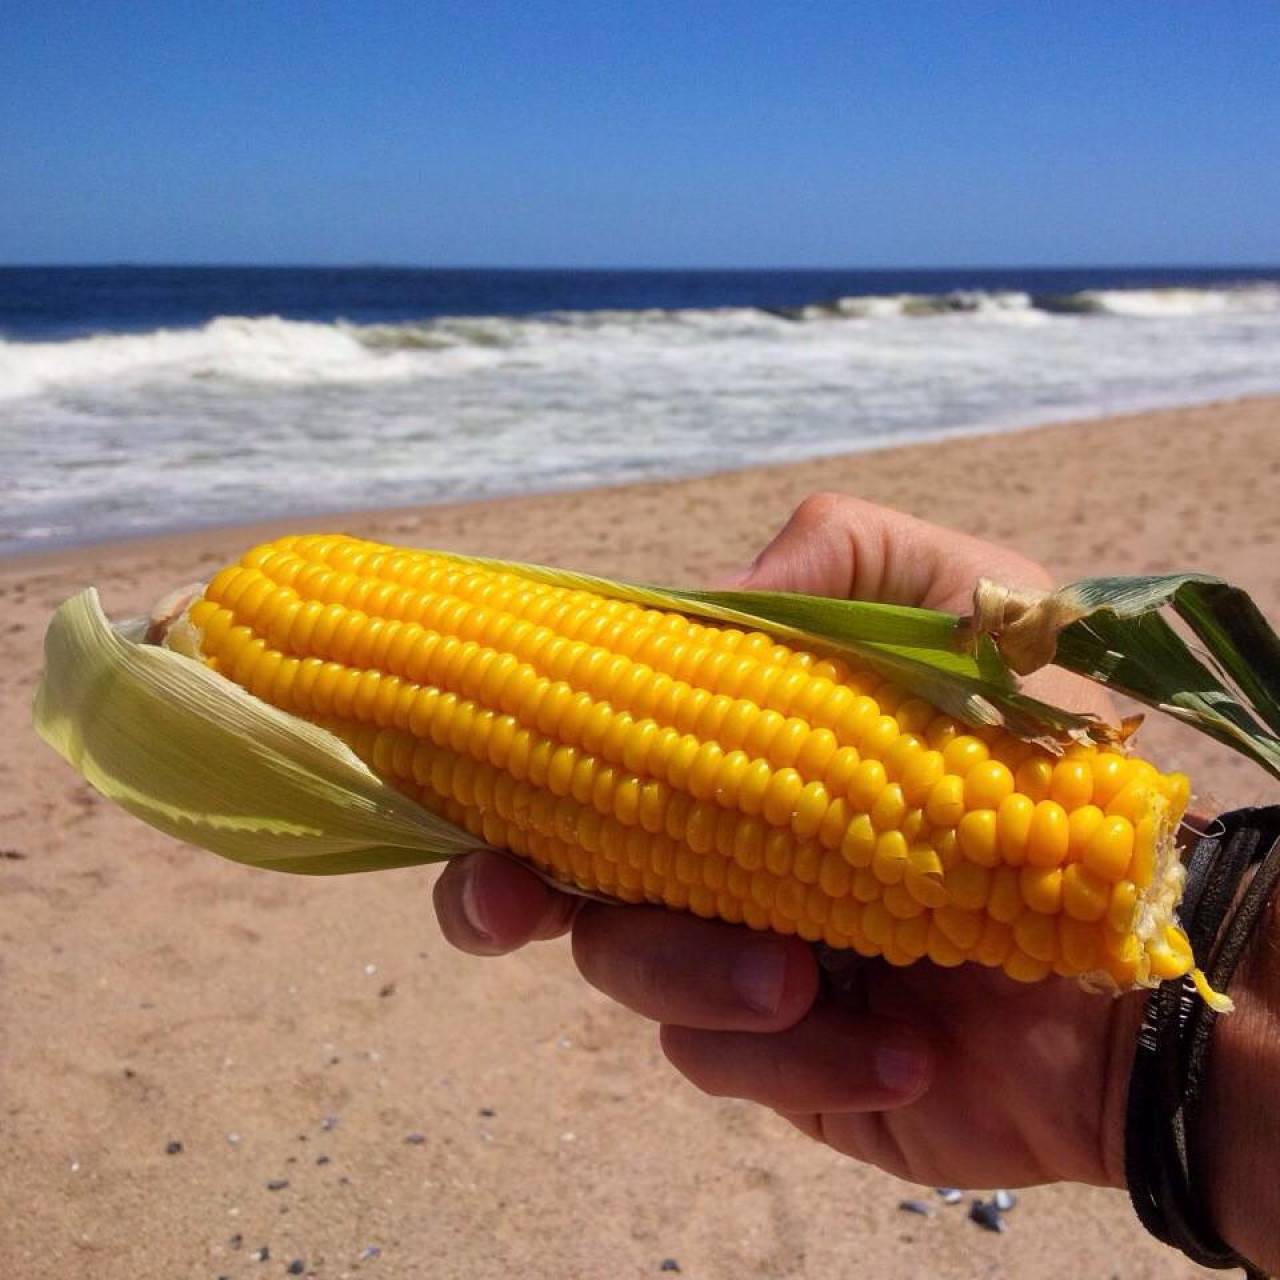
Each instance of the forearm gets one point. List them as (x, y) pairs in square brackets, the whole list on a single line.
[(1240, 1126)]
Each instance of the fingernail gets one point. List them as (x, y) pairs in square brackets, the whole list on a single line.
[(760, 976), (901, 1067), (471, 910)]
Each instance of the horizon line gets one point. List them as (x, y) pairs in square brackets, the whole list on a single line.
[(373, 265)]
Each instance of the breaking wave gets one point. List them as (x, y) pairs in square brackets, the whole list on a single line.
[(272, 350)]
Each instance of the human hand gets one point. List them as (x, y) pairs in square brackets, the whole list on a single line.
[(939, 1075)]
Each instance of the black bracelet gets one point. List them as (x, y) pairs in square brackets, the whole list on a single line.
[(1166, 1087)]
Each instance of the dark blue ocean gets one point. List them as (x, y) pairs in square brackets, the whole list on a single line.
[(138, 399), (42, 303)]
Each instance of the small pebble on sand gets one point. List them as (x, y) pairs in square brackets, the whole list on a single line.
[(277, 1184), (173, 1148), (669, 1264)]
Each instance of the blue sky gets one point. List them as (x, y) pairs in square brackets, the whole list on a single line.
[(626, 133)]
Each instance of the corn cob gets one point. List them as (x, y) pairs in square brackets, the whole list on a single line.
[(650, 757)]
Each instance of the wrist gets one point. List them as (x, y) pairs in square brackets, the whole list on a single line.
[(1122, 1043), (1239, 1127)]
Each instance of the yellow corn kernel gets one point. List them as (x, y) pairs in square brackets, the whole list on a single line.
[(868, 781), (1177, 791), (987, 784), (968, 884), (1042, 889), (1170, 954), (1131, 800), (877, 923), (900, 753), (859, 842), (994, 944), (944, 806), (1081, 824), (1022, 967), (835, 822), (840, 771), (915, 715), (1109, 850), (1079, 944), (889, 861), (942, 950), (1033, 778), (910, 938), (1110, 772), (1084, 896), (1145, 835), (1122, 907), (889, 809), (866, 888), (924, 860), (1005, 896), (962, 928), (946, 846), (963, 752), (1071, 783), (835, 876), (1013, 827), (1037, 935), (877, 736), (913, 825), (921, 775), (978, 839), (1049, 837), (899, 902), (928, 891)]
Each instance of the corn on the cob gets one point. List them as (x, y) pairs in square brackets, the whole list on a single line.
[(650, 757)]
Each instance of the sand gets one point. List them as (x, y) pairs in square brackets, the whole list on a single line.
[(340, 1082)]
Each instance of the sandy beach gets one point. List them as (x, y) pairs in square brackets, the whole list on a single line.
[(203, 1064)]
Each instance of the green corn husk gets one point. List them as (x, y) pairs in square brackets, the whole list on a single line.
[(196, 756)]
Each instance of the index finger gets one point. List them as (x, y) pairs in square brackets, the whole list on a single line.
[(840, 546)]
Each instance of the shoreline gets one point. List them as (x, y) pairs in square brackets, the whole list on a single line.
[(55, 552), (202, 1060)]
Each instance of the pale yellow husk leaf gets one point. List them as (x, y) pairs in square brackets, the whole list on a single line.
[(191, 753)]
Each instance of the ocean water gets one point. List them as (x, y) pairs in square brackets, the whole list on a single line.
[(146, 399)]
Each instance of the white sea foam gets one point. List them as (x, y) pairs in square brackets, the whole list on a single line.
[(258, 349), (243, 416)]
